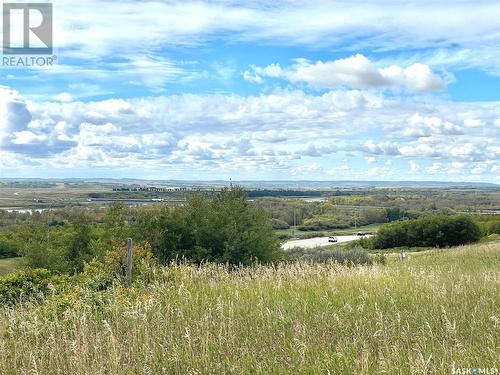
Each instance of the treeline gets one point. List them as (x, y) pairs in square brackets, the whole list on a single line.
[(284, 193), (428, 231), (321, 216), (225, 228), (425, 201)]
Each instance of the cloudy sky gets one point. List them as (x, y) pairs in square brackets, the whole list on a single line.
[(283, 89)]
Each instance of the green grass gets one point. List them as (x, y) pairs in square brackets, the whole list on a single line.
[(8, 265), (414, 317)]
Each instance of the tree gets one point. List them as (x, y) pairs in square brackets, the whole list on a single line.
[(247, 231), (116, 225), (79, 249), (43, 246), (8, 245), (225, 229)]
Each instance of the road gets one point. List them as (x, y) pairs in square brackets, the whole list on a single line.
[(316, 241)]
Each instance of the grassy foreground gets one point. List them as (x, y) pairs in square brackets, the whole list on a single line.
[(418, 316)]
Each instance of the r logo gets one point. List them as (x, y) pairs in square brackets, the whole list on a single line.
[(27, 29)]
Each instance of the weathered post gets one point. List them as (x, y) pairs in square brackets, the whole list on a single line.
[(129, 262)]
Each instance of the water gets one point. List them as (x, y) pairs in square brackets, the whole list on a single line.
[(24, 210)]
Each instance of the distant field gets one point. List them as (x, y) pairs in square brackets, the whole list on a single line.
[(421, 316), (8, 265), (46, 197)]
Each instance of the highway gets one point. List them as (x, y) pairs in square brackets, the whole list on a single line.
[(317, 241)]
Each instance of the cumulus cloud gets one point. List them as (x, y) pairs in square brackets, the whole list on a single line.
[(14, 115), (423, 126), (263, 134), (64, 97), (355, 72), (381, 148), (314, 151), (27, 137)]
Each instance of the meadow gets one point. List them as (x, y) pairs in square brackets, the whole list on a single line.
[(423, 315)]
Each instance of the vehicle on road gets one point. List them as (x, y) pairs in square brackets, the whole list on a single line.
[(361, 234), (332, 239)]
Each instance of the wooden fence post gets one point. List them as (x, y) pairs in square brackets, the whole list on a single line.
[(129, 262)]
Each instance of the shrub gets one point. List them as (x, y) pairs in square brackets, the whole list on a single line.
[(280, 224), (380, 259), (429, 231), (29, 285), (489, 224), (8, 245)]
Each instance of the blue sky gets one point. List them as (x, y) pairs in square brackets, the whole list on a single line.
[(260, 90)]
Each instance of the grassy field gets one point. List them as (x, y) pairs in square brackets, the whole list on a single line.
[(420, 316), (8, 265)]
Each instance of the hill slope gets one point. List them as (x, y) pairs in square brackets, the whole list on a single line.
[(420, 316)]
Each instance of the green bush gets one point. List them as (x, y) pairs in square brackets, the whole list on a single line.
[(280, 224), (29, 285), (429, 231), (380, 259), (8, 245), (489, 224)]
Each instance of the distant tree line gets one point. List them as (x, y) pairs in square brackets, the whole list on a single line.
[(284, 193)]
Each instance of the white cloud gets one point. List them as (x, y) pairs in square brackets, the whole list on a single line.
[(381, 148), (254, 78), (64, 97), (473, 123), (14, 115), (138, 36), (85, 32), (26, 137), (260, 135), (414, 167), (355, 71), (478, 169), (422, 126)]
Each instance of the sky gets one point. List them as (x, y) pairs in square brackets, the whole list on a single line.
[(260, 90)]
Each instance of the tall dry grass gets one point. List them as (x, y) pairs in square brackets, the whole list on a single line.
[(418, 316)]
